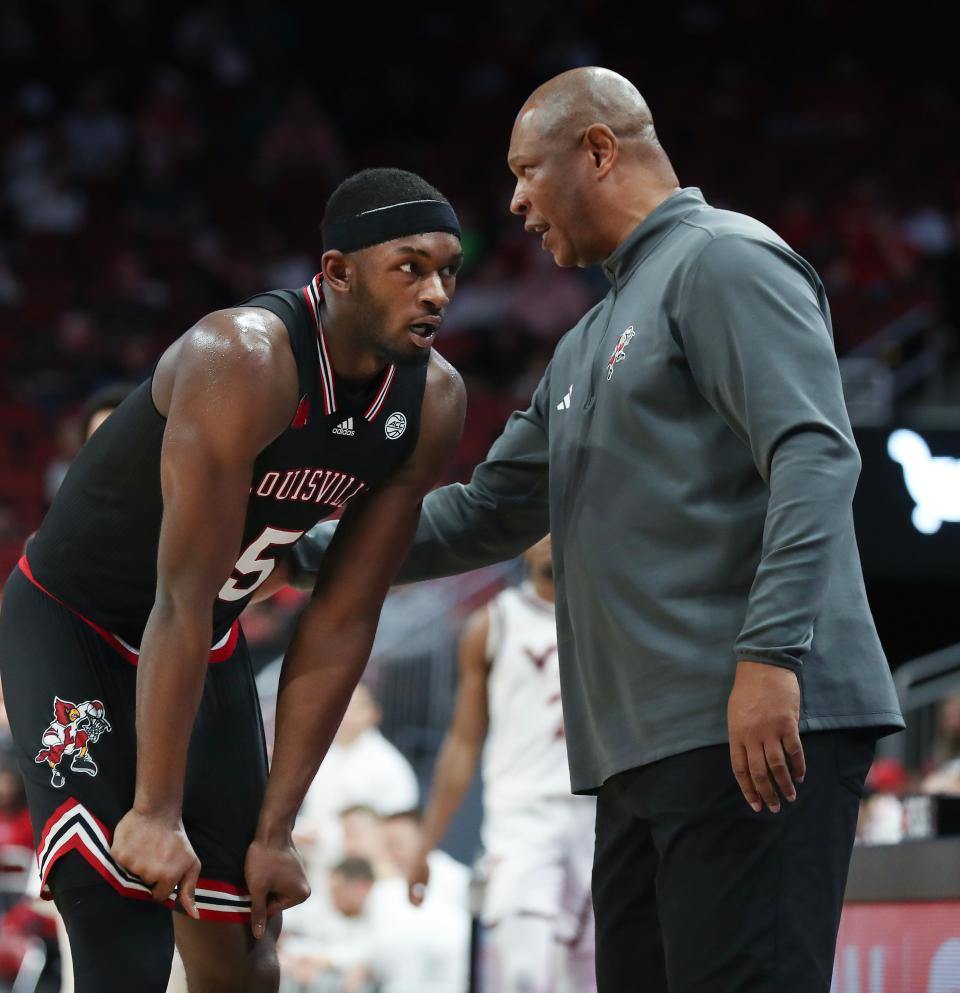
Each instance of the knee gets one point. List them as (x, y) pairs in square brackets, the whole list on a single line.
[(266, 972), (257, 972)]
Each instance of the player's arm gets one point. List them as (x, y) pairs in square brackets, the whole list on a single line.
[(499, 514), (230, 390), (334, 636), (460, 752)]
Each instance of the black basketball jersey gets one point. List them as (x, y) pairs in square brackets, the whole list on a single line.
[(97, 547)]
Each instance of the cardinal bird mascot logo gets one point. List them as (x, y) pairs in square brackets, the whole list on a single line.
[(619, 353), (74, 728)]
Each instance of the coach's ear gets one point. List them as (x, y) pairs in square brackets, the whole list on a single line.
[(337, 271)]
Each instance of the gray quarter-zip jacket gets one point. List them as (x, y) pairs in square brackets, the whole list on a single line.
[(689, 450)]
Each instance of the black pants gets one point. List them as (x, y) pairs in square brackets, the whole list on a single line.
[(695, 893)]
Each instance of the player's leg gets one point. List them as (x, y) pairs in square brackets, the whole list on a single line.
[(575, 932), (524, 884), (225, 957), (524, 954), (578, 967), (57, 672), (752, 901), (226, 779), (629, 943), (117, 944)]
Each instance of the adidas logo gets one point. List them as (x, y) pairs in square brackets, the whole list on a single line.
[(564, 404), (345, 427)]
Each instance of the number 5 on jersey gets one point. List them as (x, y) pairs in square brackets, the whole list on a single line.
[(256, 562)]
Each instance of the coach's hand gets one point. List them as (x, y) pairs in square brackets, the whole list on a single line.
[(417, 879), (763, 715), (158, 851), (276, 880)]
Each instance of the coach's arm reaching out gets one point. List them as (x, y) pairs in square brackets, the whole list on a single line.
[(333, 638)]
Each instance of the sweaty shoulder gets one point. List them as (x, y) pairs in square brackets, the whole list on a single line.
[(441, 421), (444, 403), (444, 382), (244, 349)]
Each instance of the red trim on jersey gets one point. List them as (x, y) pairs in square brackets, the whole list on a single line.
[(302, 415), (310, 304), (378, 401), (219, 654), (215, 884), (106, 866), (326, 375), (77, 844), (62, 809), (313, 291)]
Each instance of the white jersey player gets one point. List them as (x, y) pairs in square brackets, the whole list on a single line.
[(537, 837)]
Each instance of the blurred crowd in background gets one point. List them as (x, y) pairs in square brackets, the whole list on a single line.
[(160, 161)]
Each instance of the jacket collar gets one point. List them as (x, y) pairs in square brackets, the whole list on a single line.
[(642, 240)]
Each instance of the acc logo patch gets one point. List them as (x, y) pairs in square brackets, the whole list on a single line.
[(74, 728), (395, 426), (619, 353)]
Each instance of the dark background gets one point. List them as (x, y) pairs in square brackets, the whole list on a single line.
[(159, 161)]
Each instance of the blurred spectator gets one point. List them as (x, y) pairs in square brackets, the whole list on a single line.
[(944, 778), (364, 837), (10, 289), (449, 879), (881, 812), (16, 836), (68, 443), (944, 781), (97, 135), (323, 953), (168, 129), (361, 769), (100, 405), (413, 949), (927, 230), (45, 203), (418, 949), (219, 130), (946, 746), (302, 139), (6, 740)]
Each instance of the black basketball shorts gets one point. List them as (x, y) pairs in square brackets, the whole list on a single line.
[(69, 689)]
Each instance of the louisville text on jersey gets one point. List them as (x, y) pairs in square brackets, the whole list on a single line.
[(308, 485)]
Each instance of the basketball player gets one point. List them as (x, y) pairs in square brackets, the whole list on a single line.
[(538, 838), (131, 697)]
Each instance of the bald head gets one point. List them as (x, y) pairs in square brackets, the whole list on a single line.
[(567, 105), (588, 164)]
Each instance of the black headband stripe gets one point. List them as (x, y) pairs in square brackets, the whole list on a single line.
[(386, 223)]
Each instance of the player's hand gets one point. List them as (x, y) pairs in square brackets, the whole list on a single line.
[(158, 851), (276, 880), (763, 715), (417, 879)]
